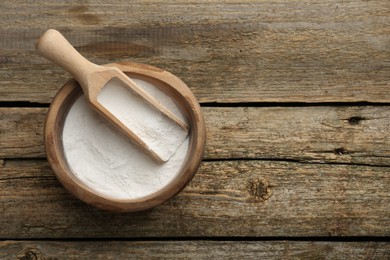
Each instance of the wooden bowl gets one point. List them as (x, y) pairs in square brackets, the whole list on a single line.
[(166, 82)]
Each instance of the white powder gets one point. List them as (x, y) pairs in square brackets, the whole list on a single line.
[(160, 134), (108, 162)]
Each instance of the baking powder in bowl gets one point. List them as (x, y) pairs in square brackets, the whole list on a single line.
[(107, 162)]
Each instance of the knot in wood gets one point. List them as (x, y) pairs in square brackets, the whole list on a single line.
[(259, 188), (31, 254), (355, 120)]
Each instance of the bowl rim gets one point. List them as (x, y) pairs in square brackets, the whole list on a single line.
[(169, 83)]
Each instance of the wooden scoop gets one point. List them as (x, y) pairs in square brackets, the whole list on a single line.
[(93, 78)]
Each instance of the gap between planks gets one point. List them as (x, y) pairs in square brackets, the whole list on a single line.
[(22, 104), (210, 238)]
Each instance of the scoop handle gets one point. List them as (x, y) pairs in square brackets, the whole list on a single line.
[(53, 46)]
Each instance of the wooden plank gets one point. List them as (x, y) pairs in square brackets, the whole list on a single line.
[(21, 132), (357, 135), (193, 250), (227, 51), (226, 198)]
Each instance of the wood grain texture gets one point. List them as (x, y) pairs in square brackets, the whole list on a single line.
[(21, 132), (356, 135), (226, 51), (193, 250), (292, 171), (226, 198)]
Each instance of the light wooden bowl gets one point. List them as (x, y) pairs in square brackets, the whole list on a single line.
[(165, 81)]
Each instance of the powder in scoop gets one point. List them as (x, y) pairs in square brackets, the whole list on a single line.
[(161, 134), (108, 162)]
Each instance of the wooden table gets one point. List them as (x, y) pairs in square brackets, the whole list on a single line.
[(296, 96)]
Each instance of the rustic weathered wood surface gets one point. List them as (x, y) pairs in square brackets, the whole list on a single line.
[(193, 250), (275, 166)]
